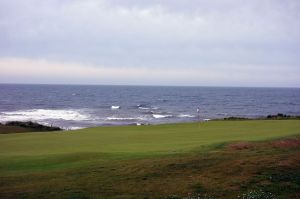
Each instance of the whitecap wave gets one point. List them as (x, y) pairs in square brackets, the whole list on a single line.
[(123, 118), (43, 114), (115, 107), (186, 116), (158, 116), (144, 108)]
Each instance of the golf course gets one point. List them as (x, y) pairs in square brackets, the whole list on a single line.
[(214, 159)]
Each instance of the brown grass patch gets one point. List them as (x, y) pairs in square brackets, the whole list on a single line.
[(241, 146), (287, 143)]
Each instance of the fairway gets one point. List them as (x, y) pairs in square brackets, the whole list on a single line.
[(159, 139)]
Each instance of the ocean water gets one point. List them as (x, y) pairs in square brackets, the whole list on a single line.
[(74, 106)]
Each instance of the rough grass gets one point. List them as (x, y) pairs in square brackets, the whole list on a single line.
[(164, 161)]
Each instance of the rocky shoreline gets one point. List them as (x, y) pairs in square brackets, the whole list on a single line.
[(279, 116), (29, 126), (22, 127)]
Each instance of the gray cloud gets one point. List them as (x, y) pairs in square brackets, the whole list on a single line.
[(165, 34)]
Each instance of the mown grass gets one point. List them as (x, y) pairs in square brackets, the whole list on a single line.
[(153, 161), (168, 138)]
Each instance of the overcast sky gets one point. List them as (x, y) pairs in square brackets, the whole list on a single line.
[(157, 42)]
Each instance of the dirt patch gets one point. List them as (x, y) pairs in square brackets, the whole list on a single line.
[(287, 143)]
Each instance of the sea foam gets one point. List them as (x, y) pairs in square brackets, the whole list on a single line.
[(43, 114)]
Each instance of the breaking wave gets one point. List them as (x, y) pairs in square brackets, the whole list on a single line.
[(144, 108), (158, 116), (43, 114), (123, 118), (115, 107), (186, 116)]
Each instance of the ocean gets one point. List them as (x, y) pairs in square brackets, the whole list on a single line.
[(78, 106)]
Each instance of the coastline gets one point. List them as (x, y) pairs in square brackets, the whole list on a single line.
[(74, 107), (30, 126)]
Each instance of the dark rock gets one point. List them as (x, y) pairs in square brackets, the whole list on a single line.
[(33, 125)]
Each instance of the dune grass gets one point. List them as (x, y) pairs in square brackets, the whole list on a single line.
[(148, 161)]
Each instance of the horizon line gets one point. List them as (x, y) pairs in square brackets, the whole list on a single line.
[(146, 85)]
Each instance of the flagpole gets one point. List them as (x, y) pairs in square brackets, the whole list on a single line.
[(198, 111)]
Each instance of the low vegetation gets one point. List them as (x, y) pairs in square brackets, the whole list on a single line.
[(216, 159), (282, 116), (279, 116), (22, 127)]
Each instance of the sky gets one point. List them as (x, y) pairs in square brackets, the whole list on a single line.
[(158, 42)]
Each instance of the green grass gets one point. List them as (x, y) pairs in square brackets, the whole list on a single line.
[(168, 138), (150, 161)]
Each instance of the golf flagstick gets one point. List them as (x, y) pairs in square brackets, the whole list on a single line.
[(198, 111)]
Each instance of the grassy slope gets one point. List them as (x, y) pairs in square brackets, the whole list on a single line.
[(133, 162)]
